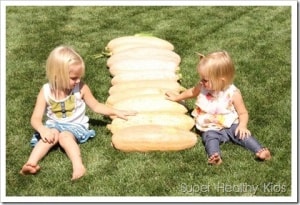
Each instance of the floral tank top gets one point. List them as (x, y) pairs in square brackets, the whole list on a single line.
[(215, 111)]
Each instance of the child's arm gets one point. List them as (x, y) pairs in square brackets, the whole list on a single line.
[(189, 93), (101, 108), (37, 119), (238, 102)]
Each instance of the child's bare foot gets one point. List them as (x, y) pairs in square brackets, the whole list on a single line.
[(29, 169), (263, 154), (78, 172), (215, 159)]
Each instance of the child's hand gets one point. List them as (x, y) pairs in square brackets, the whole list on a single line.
[(171, 96), (123, 114), (242, 132), (49, 135)]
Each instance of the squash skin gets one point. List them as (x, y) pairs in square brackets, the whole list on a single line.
[(145, 75), (148, 138), (118, 96), (137, 65), (158, 84), (176, 120), (115, 43), (144, 52), (150, 103)]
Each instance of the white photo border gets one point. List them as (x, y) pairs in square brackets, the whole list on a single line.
[(294, 180)]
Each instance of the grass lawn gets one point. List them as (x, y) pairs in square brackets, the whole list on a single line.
[(259, 41)]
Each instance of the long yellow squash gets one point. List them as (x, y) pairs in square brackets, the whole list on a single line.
[(145, 75), (177, 120), (143, 40), (161, 84), (150, 103), (145, 138), (118, 96), (124, 47), (143, 53), (136, 65)]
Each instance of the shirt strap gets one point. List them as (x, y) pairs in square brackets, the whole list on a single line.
[(76, 91)]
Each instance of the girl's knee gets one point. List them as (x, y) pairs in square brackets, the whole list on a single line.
[(209, 135), (56, 135), (65, 137)]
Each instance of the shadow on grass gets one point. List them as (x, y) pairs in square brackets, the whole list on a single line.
[(101, 123)]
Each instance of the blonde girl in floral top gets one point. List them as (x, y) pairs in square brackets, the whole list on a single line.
[(220, 112), (63, 99)]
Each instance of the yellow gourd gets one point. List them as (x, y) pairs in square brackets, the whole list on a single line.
[(118, 96), (176, 120), (145, 75), (136, 65), (160, 84), (145, 138), (150, 103), (143, 69), (144, 52), (116, 43)]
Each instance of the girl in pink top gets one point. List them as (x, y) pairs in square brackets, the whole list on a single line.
[(220, 112)]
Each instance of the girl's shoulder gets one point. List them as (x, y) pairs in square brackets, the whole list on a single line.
[(46, 86), (230, 91), (236, 93), (232, 88), (46, 89), (84, 89)]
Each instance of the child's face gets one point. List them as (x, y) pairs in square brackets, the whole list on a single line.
[(75, 74), (204, 80)]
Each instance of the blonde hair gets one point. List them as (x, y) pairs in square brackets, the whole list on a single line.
[(57, 67), (219, 68)]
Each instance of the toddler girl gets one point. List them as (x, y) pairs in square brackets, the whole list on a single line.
[(220, 112)]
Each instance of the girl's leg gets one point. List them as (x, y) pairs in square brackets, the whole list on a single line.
[(38, 152), (211, 140), (68, 142), (253, 145)]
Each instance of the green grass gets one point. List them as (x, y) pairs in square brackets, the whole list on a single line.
[(259, 41)]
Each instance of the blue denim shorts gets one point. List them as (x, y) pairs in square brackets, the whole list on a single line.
[(80, 132)]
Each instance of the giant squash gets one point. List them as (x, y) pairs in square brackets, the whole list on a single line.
[(171, 119), (150, 103), (135, 65), (118, 96), (143, 53), (160, 84), (115, 43), (145, 138), (145, 75)]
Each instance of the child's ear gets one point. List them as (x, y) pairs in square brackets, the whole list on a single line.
[(223, 80)]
